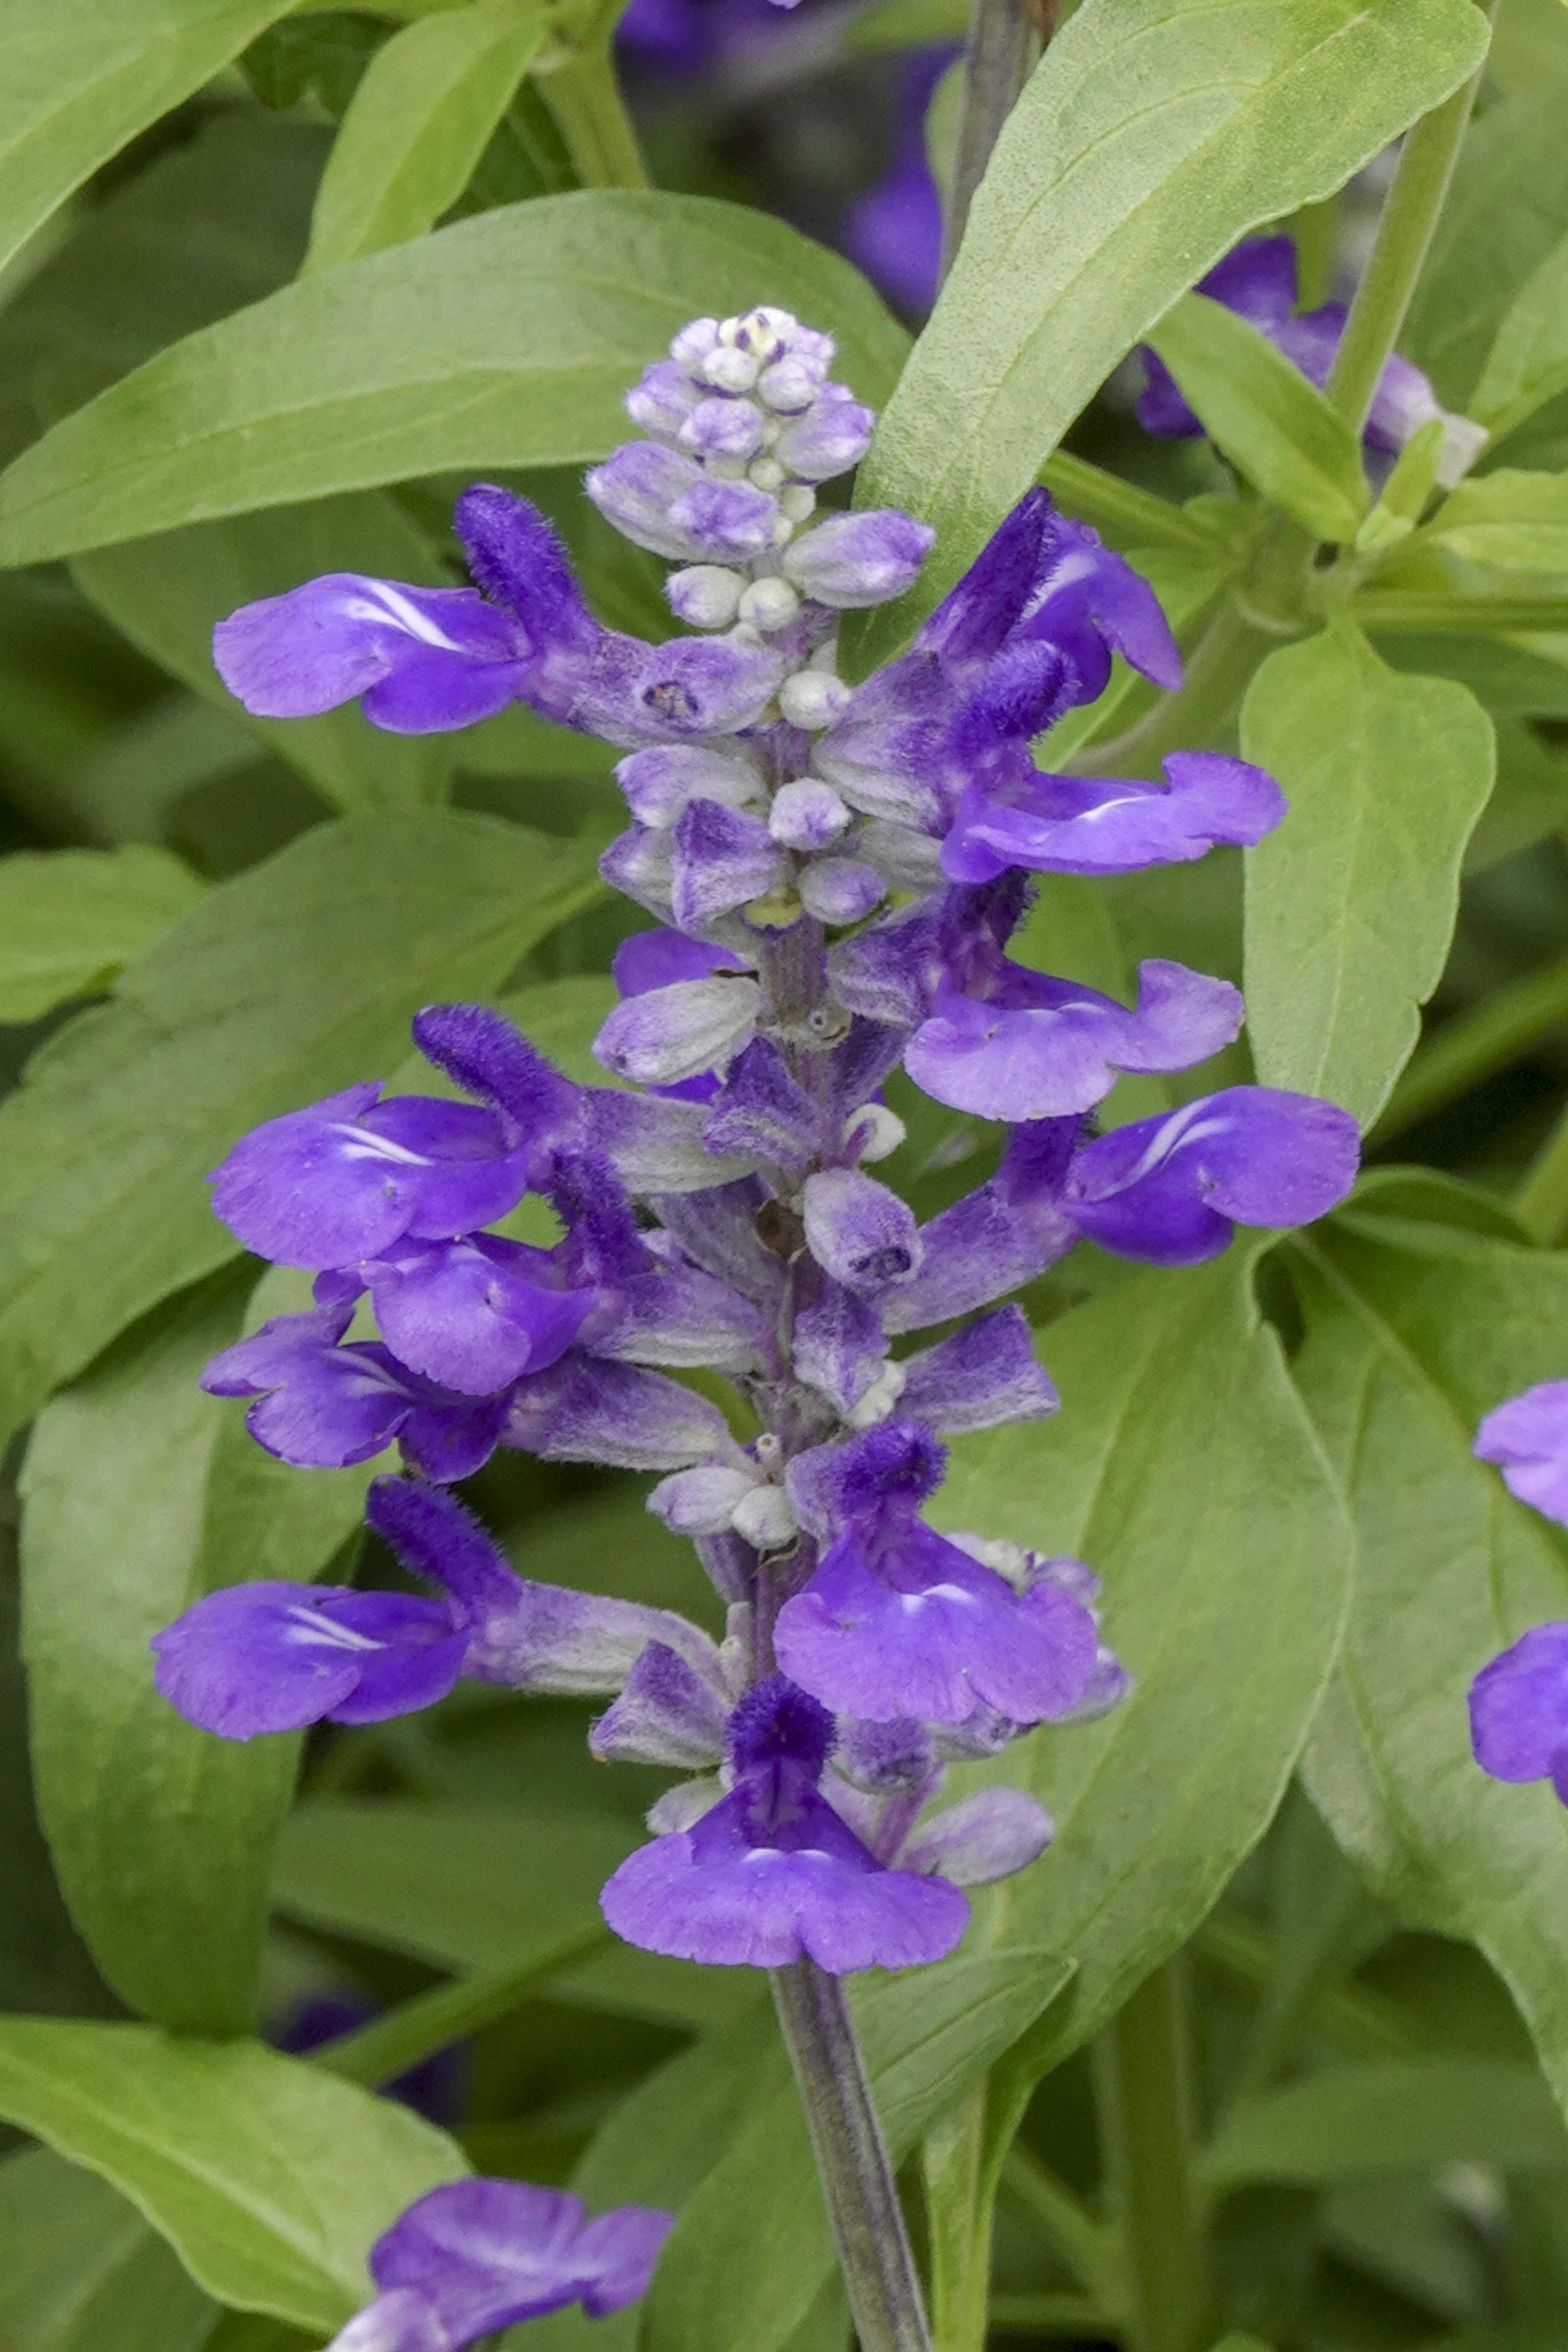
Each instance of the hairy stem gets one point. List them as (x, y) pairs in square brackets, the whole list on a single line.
[(1144, 2097), (851, 2159), (584, 96), (1002, 46), (1404, 231)]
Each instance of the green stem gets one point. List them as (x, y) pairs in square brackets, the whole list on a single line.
[(385, 2047), (1397, 611), (1050, 2314), (1359, 2021), (1081, 2243), (1404, 231), (1474, 1046), (1143, 2098), (1000, 49), (1541, 1203), (953, 2163), (1216, 678), (851, 2159), (584, 96), (1135, 517)]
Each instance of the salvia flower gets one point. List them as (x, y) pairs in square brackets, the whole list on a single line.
[(1257, 281), (479, 2255), (1519, 1704), (717, 1202)]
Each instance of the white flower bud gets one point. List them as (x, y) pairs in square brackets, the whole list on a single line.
[(798, 502), (692, 345), (812, 700), (705, 595), (764, 1519), (873, 1132), (767, 473), (790, 385), (729, 369), (807, 815), (879, 1399), (769, 604)]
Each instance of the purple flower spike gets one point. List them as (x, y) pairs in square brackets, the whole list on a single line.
[(425, 659), (1172, 1189), (1049, 1047), (479, 2255), (1518, 1709), (772, 1873), (274, 1658), (351, 1176), (321, 1406), (1065, 824), (1528, 1438)]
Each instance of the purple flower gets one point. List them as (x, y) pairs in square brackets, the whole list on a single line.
[(772, 1873), (898, 1620), (1257, 281), (479, 2255), (475, 1314), (1172, 1190), (1067, 824), (1034, 1047), (1519, 1709), (321, 1405), (1528, 1437), (422, 658)]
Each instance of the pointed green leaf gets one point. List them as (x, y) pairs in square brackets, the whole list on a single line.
[(1415, 1329), (76, 83), (1273, 425), (1350, 902), (80, 2269), (1151, 137), (1396, 2114), (71, 920), (419, 123), (1527, 363), (1507, 519), (270, 2177), (508, 340)]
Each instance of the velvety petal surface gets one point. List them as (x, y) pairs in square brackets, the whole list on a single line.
[(426, 658), (276, 1656)]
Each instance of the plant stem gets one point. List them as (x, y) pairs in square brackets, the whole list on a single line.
[(1404, 231), (1541, 1203), (851, 2159), (1474, 1046), (584, 96), (1050, 2314), (1395, 610), (1081, 2243), (1143, 2098), (379, 2052), (1000, 49)]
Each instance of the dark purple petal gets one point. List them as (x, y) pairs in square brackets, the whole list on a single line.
[(346, 1179), (1528, 1437), (1256, 279), (894, 233), (435, 1537), (984, 1375), (973, 618), (926, 1630), (488, 2254), (432, 657), (322, 1406), (481, 1051), (761, 1113), (467, 1316), (884, 1473), (274, 1658), (1067, 824), (1060, 1052), (651, 959), (1083, 592), (1167, 1189), (1518, 1707)]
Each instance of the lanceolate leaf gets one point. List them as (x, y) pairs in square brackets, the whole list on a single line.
[(1415, 1329), (1350, 902), (1527, 363), (77, 82), (1401, 2115), (298, 977), (507, 340), (161, 1834), (79, 2268), (1182, 1470), (71, 922), (270, 2177), (1273, 425), (419, 123), (1151, 137)]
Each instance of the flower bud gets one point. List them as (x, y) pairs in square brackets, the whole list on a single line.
[(807, 815), (770, 603), (860, 559), (812, 700), (705, 595)]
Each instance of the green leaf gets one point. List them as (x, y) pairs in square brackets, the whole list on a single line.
[(1506, 210), (296, 978), (926, 2036), (71, 920), (161, 1834), (1350, 902), (1509, 518), (167, 593), (1414, 1330), (1399, 2115), (1181, 1459), (1273, 425), (77, 83), (1150, 138), (1527, 363), (419, 122), (504, 340), (906, 24), (80, 2269), (269, 2177)]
